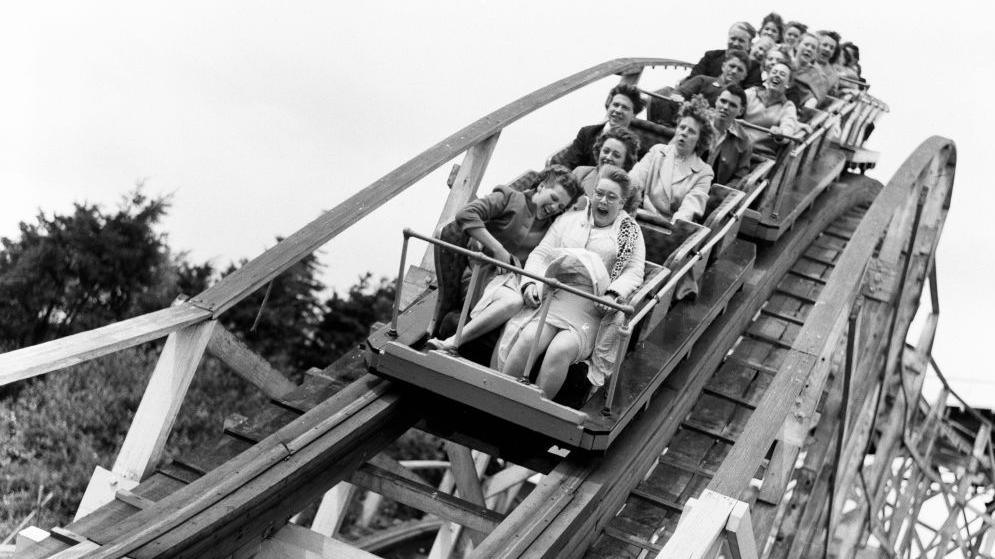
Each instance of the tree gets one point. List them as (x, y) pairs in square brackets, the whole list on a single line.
[(74, 272), (348, 319)]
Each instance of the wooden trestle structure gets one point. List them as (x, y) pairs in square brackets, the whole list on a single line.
[(796, 421)]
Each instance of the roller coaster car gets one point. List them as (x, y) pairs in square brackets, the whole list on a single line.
[(654, 337)]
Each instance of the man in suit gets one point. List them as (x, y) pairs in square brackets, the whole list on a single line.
[(731, 148), (740, 36), (622, 105)]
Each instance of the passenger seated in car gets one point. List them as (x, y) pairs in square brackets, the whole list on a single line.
[(623, 104), (807, 73), (767, 107), (759, 49), (673, 177), (740, 36), (850, 63), (828, 56), (793, 30), (600, 250), (772, 26), (508, 224), (731, 149), (618, 147), (734, 69)]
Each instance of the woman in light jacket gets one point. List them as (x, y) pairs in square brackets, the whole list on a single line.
[(673, 177), (613, 257)]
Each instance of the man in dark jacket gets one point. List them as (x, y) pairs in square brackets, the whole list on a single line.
[(740, 35), (731, 149), (622, 105)]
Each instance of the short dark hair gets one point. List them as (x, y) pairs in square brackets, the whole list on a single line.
[(737, 90), (835, 37), (628, 138), (699, 110), (559, 174), (797, 25), (630, 91), (742, 55), (776, 19)]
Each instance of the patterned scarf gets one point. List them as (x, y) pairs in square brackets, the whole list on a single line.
[(628, 233)]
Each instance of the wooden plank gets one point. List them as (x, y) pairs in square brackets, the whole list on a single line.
[(464, 188), (78, 348), (262, 269), (703, 525), (427, 498), (153, 420), (248, 364)]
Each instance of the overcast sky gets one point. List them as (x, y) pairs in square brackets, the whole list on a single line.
[(256, 116)]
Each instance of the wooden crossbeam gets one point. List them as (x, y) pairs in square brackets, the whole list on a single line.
[(427, 498), (78, 348), (248, 364)]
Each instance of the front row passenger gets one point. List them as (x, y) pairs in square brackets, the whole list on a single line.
[(600, 250)]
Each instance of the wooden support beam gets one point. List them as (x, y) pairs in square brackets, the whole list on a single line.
[(153, 420), (78, 348), (739, 533), (331, 511), (426, 498), (297, 542), (464, 189), (101, 489), (700, 527), (248, 364)]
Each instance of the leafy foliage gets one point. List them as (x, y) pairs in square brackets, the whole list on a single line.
[(73, 272), (68, 273)]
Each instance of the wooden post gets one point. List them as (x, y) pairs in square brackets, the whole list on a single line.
[(703, 524), (331, 511), (464, 189), (157, 411), (739, 533)]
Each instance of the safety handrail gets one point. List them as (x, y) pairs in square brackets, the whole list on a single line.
[(481, 257)]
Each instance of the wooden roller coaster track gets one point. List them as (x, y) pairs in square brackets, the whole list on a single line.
[(796, 419)]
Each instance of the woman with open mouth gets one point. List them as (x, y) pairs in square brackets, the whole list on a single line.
[(768, 107), (673, 176), (599, 250)]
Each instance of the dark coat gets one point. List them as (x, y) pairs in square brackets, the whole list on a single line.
[(711, 65), (731, 159)]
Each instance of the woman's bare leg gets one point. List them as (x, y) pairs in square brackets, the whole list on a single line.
[(560, 354), (514, 365), (497, 313)]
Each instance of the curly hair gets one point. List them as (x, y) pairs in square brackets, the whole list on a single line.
[(628, 138), (698, 109), (776, 19), (836, 38), (559, 174), (630, 91)]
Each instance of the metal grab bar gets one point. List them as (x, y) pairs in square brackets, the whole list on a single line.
[(481, 257), (627, 309)]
